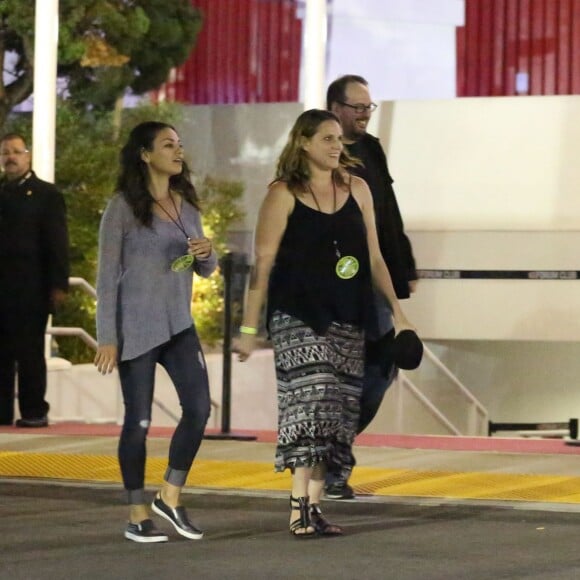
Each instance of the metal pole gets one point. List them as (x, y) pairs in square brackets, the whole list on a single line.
[(227, 347), (227, 266)]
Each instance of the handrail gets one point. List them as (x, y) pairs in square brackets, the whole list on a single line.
[(477, 415), (430, 406), (73, 331), (468, 394), (73, 281)]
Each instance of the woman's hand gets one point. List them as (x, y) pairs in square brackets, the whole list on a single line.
[(200, 248), (106, 358), (401, 323), (244, 346)]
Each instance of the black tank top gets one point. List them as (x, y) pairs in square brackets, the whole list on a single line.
[(304, 282)]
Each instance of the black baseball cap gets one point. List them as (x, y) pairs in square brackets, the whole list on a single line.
[(408, 350)]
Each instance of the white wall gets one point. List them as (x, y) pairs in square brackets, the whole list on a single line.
[(519, 381), (532, 381), (507, 163), (82, 394), (460, 309), (492, 184), (404, 48)]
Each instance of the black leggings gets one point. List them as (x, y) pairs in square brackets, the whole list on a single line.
[(184, 362)]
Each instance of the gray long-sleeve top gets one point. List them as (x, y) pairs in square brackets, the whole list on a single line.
[(141, 302)]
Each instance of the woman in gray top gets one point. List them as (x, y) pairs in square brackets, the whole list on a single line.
[(150, 243)]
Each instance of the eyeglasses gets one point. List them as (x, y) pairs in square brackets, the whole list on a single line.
[(4, 152), (360, 109)]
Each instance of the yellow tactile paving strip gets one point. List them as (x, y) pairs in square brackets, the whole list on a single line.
[(245, 475)]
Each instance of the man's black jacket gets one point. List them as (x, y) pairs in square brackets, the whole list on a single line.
[(395, 245)]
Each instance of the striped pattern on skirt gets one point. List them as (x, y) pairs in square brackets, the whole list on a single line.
[(319, 387)]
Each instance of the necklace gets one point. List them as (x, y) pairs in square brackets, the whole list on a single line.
[(181, 263), (346, 266), (316, 200), (177, 222), (334, 242)]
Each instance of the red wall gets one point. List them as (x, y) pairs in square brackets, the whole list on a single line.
[(503, 37), (248, 51)]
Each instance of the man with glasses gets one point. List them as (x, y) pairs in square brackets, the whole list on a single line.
[(34, 272), (348, 97)]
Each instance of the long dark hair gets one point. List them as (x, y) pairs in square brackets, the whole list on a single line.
[(133, 179), (293, 168)]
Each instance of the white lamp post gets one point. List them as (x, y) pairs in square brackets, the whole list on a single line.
[(314, 54), (44, 99)]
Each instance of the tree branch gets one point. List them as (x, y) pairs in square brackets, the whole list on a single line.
[(21, 88)]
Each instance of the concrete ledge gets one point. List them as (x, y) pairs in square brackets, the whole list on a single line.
[(80, 393)]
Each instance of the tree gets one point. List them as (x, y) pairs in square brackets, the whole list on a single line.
[(105, 47)]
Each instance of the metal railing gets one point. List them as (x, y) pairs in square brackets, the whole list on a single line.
[(92, 343), (478, 418), (84, 285), (75, 330)]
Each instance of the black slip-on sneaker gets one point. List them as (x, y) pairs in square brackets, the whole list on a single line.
[(178, 517), (145, 532)]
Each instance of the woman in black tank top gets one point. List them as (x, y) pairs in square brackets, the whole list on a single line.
[(316, 259)]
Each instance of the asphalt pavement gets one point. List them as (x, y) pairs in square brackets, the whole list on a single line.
[(54, 530)]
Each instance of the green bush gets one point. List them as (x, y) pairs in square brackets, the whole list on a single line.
[(220, 206), (87, 149)]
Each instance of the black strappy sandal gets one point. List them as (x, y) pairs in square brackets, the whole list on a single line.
[(303, 522), (322, 526)]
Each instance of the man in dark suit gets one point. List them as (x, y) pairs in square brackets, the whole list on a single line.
[(348, 97), (34, 271)]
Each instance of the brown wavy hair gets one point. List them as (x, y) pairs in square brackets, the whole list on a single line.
[(293, 168)]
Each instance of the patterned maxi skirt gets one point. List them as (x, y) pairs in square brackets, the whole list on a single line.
[(319, 387)]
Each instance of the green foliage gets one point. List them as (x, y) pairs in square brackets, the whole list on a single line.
[(220, 206), (105, 47), (19, 16), (153, 35), (86, 167)]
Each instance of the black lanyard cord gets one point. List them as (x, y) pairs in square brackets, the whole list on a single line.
[(334, 241), (177, 222)]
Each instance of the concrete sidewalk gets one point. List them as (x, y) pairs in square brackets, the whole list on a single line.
[(550, 474)]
